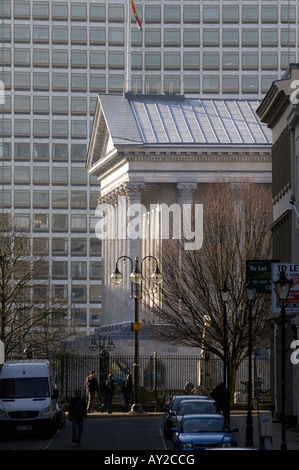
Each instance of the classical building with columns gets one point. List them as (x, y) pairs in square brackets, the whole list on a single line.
[(151, 150)]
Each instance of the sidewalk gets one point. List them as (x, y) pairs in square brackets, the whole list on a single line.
[(238, 419)]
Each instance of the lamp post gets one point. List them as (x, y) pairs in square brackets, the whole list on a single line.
[(282, 285), (250, 294), (136, 292), (224, 291)]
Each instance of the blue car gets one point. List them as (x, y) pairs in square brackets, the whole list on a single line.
[(197, 432), (171, 409)]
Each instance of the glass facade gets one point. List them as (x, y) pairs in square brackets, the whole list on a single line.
[(56, 56)]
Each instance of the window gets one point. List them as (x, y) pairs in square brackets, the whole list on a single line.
[(78, 82), (210, 60), (172, 37), (40, 221), (78, 152), (95, 247), (269, 13), (78, 222), (60, 128), (59, 10), (269, 37), (230, 84), (60, 293), (116, 13), (22, 9), (249, 37), (22, 56), (60, 176), (21, 33), (152, 60), (95, 270), (41, 10), (191, 37), (78, 35), (22, 198), (59, 34), (41, 81), (230, 60), (40, 128), (78, 246), (250, 84), (250, 13), (59, 200), (211, 84), (230, 37), (22, 151), (97, 36), (78, 293), (41, 151), (230, 14), (59, 269), (172, 13), (78, 176), (211, 37), (22, 127), (60, 58), (152, 14), (79, 129), (40, 246), (60, 152), (172, 60), (116, 36), (41, 104), (41, 58), (40, 33), (95, 294), (59, 246), (78, 58), (269, 60), (210, 14), (97, 83), (60, 81), (97, 12), (79, 269), (60, 105), (40, 198), (116, 59), (41, 176), (97, 59), (22, 104), (152, 37), (59, 222), (78, 11), (79, 199)]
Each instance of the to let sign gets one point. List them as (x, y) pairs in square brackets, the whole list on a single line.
[(292, 273), (260, 273)]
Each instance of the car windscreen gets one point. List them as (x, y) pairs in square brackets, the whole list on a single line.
[(197, 407), (33, 387), (204, 425)]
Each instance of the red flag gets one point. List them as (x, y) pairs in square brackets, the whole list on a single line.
[(138, 22)]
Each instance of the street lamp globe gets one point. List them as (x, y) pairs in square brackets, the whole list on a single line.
[(157, 277), (283, 285), (250, 290), (136, 276), (116, 277), (224, 291)]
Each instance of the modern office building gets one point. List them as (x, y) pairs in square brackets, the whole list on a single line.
[(57, 56)]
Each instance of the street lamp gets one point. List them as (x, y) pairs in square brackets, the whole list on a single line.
[(136, 290), (282, 286), (109, 345), (250, 294)]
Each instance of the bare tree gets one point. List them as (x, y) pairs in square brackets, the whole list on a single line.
[(237, 220), (28, 313)]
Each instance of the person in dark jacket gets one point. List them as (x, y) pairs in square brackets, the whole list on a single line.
[(127, 390), (91, 386), (77, 414), (108, 394)]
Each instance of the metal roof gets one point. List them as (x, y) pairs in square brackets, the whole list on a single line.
[(158, 120)]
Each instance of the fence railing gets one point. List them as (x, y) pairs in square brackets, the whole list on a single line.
[(159, 375)]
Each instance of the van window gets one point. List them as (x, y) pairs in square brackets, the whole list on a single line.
[(35, 387)]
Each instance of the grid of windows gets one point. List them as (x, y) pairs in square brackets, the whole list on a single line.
[(57, 56)]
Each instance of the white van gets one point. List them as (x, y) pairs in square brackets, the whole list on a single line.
[(27, 397)]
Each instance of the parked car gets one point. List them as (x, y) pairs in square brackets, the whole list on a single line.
[(192, 407), (171, 409), (197, 432)]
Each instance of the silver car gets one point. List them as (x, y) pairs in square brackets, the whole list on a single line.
[(192, 407)]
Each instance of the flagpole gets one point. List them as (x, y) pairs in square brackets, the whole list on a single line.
[(128, 51)]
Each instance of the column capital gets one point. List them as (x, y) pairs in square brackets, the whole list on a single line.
[(133, 190)]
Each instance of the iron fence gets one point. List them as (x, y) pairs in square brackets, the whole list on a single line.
[(159, 375)]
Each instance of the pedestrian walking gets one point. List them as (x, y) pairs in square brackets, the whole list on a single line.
[(77, 414), (108, 391), (188, 386), (127, 391), (91, 387), (221, 396)]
